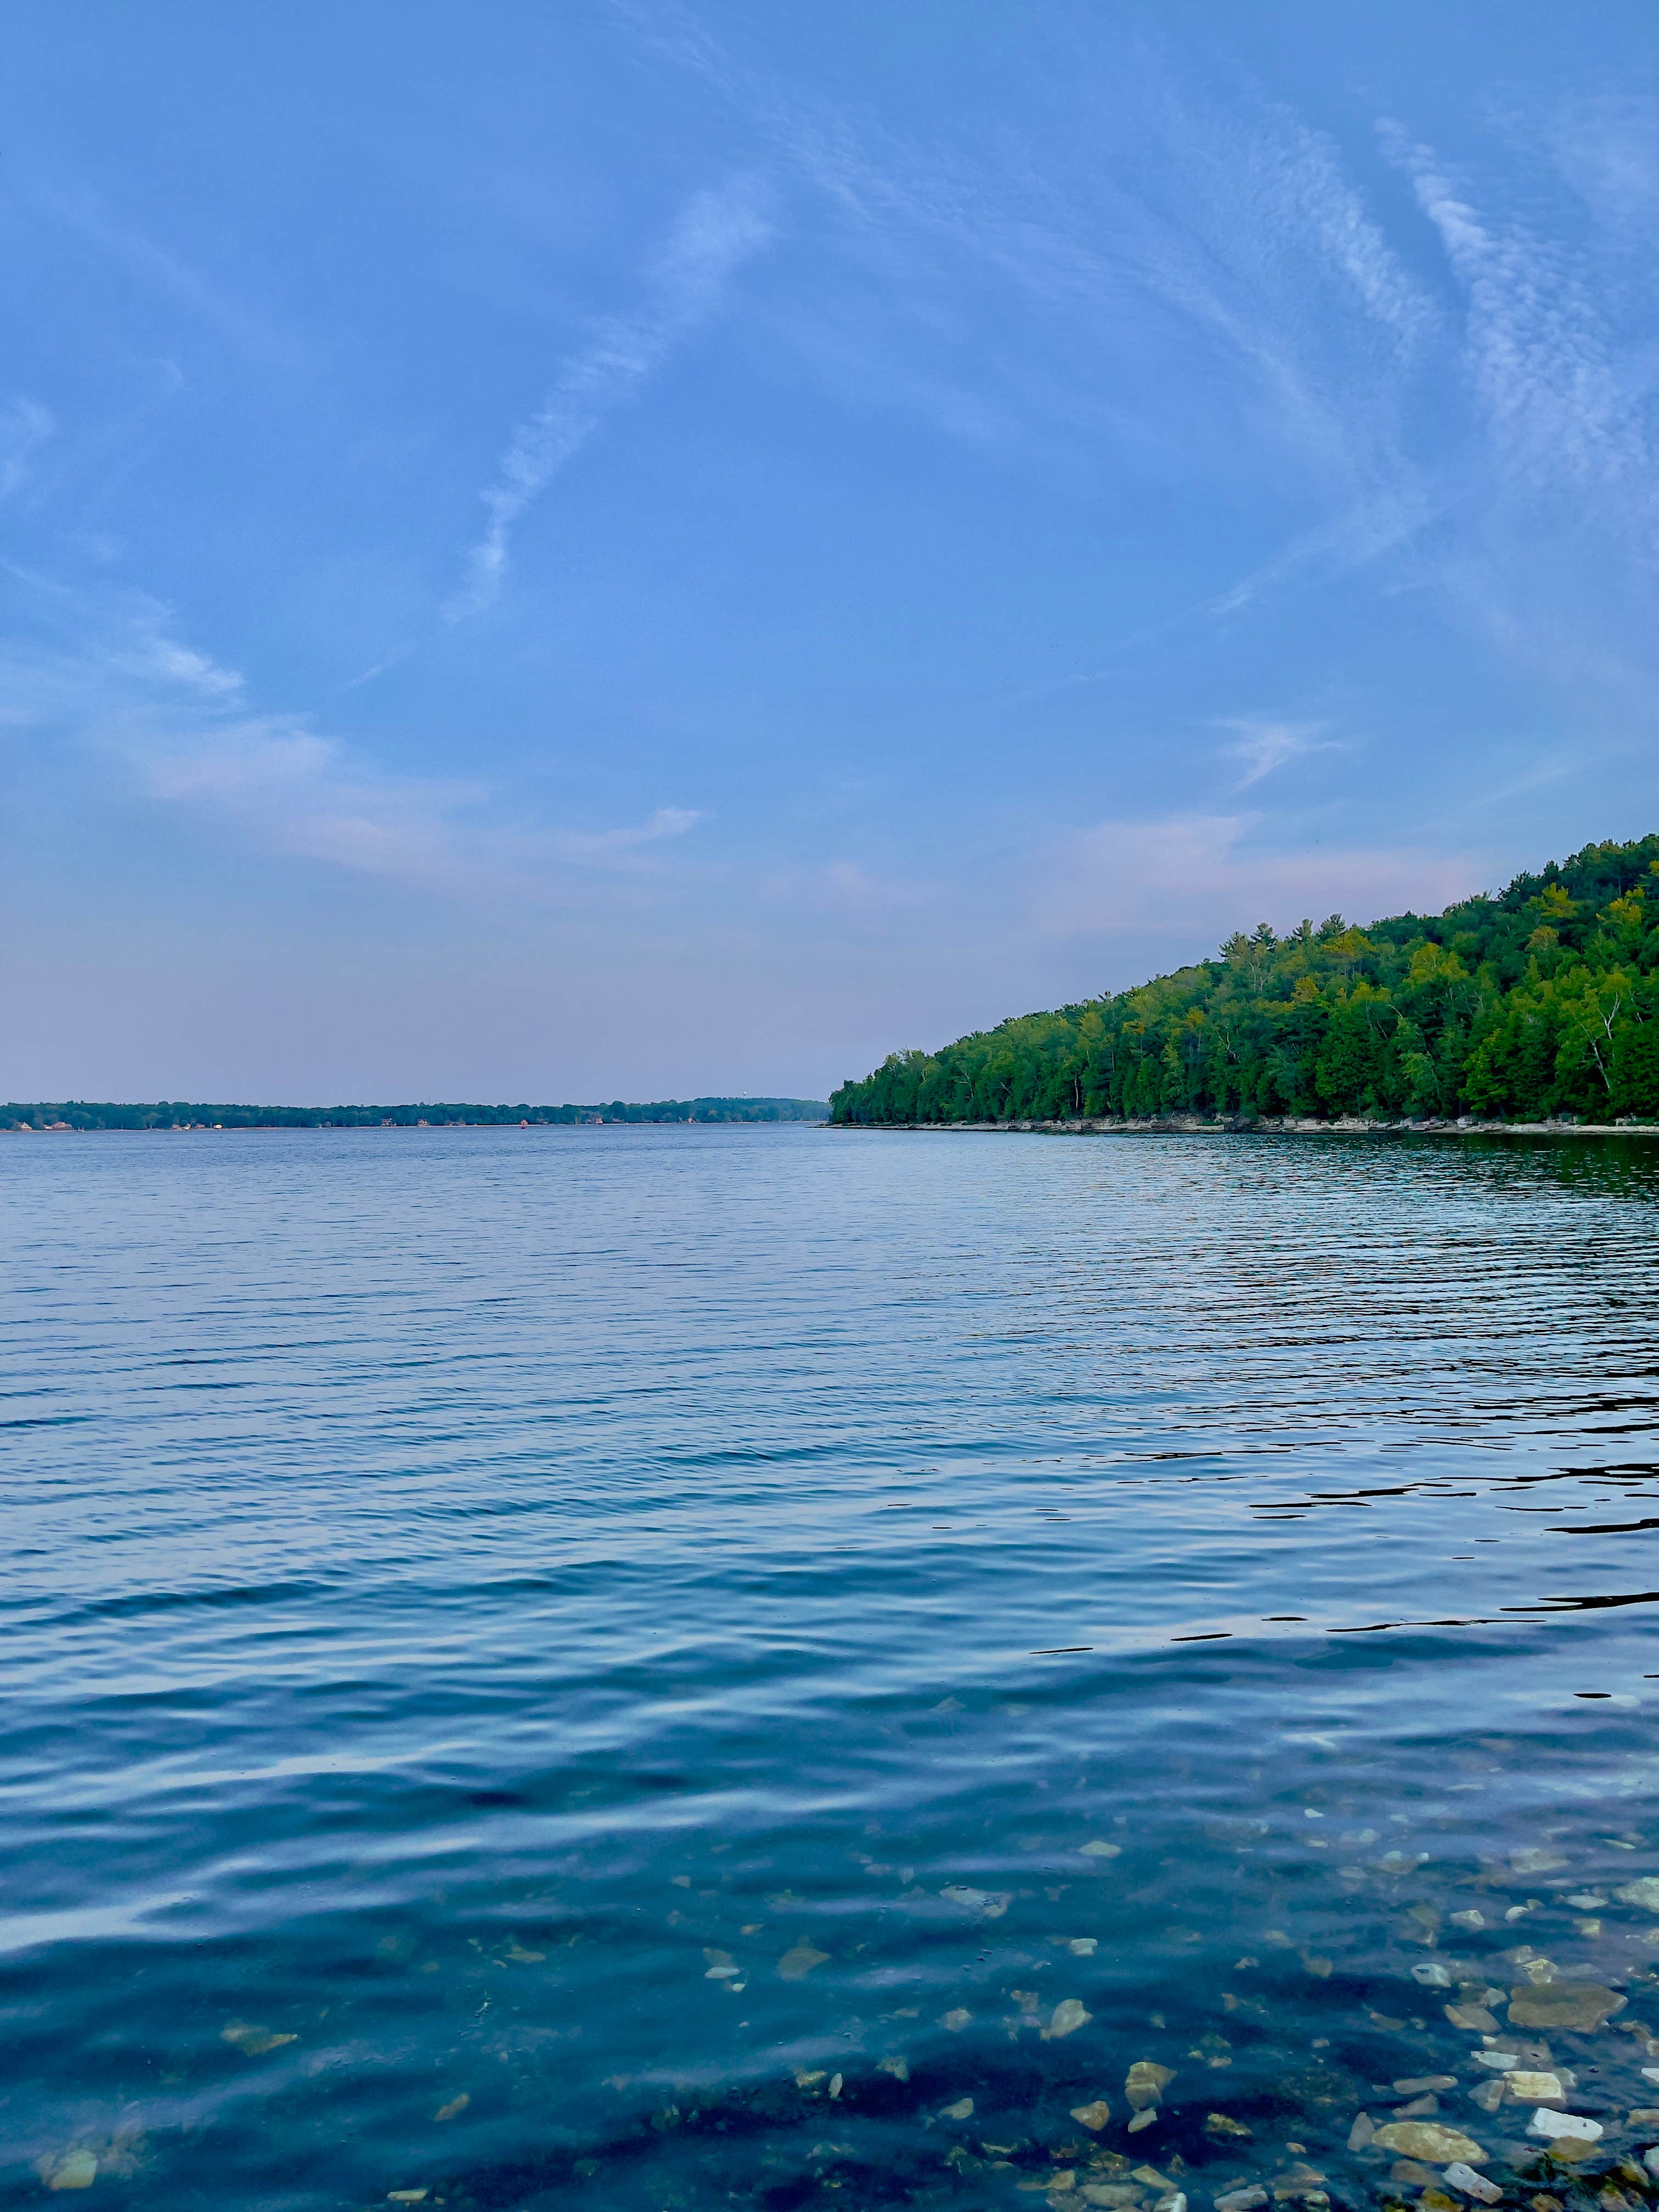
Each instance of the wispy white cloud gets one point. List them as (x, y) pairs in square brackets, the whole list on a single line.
[(1262, 744), (1552, 553), (1390, 518), (716, 231), (76, 209), (292, 790), (1205, 295), (140, 645), (299, 793), (848, 889), (106, 675), (1607, 149), (1311, 191), (604, 845), (1212, 294), (25, 426), (1536, 348), (73, 653), (1188, 873)]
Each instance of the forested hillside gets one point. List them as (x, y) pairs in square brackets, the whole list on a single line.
[(1540, 999)]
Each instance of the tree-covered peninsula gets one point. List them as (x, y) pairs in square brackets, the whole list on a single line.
[(180, 1114), (1539, 1000)]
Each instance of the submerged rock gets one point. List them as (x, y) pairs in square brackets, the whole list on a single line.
[(1221, 2126), (73, 2169), (1526, 2088), (1564, 2127), (1413, 2170), (1303, 2181), (255, 2041), (1144, 2083), (1644, 1892), (1250, 2198), (1067, 2017), (1362, 2134), (1431, 2141), (1579, 2005), (1094, 2117), (799, 1961), (990, 1904), (1465, 2179), (1571, 2148)]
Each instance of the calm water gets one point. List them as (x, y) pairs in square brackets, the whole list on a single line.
[(653, 1667)]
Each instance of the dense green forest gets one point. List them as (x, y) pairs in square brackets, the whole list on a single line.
[(76, 1113), (1541, 1000)]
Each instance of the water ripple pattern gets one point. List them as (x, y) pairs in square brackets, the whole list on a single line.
[(684, 1666)]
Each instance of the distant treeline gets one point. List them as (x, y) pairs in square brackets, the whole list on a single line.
[(177, 1114), (1541, 1000)]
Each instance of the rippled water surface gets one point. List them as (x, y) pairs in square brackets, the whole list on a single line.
[(682, 1667)]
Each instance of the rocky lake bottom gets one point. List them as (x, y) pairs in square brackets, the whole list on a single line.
[(681, 1667)]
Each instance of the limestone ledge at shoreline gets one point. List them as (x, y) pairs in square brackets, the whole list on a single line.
[(1231, 1124)]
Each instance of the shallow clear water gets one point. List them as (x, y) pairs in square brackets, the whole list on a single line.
[(640, 1667)]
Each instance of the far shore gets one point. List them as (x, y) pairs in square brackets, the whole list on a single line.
[(1236, 1125)]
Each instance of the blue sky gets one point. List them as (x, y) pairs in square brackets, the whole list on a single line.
[(561, 552)]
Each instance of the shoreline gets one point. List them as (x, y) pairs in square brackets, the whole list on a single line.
[(1243, 1124)]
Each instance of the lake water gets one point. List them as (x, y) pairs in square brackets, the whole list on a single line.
[(681, 1667)]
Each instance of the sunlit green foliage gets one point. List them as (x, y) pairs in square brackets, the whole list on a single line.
[(1542, 1000)]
